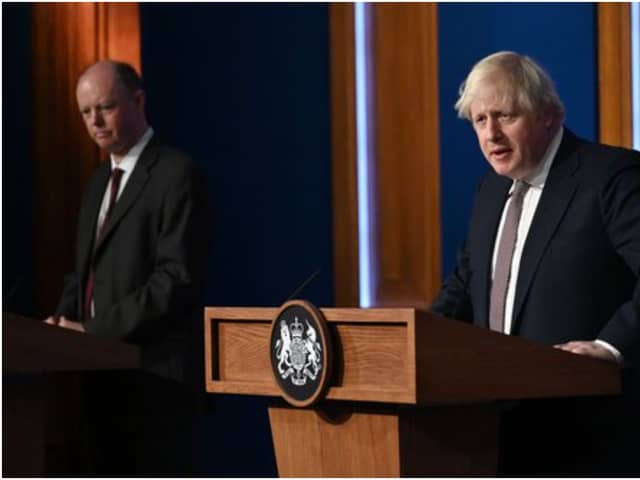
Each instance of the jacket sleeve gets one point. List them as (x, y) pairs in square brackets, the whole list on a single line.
[(620, 200), (68, 304), (454, 299)]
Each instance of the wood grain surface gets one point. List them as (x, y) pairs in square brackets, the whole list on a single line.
[(403, 356), (614, 73), (30, 346)]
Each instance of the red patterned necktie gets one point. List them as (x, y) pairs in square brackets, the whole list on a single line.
[(116, 175)]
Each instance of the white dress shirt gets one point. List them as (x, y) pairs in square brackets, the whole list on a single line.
[(127, 164), (530, 202)]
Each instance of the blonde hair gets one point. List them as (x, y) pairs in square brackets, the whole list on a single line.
[(529, 85)]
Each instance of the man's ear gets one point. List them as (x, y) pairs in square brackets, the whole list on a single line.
[(548, 119), (139, 98)]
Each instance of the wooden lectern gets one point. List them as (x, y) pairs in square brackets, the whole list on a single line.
[(31, 351), (412, 394)]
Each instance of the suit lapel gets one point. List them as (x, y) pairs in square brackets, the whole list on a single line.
[(558, 191), (132, 190), (88, 223), (489, 213)]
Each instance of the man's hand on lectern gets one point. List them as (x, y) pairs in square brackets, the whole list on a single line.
[(590, 349), (65, 323)]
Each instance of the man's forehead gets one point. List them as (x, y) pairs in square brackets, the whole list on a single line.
[(98, 86), (101, 69), (492, 99), (100, 76), (103, 82)]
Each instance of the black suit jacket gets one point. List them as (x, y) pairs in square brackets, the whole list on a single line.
[(149, 264), (580, 265)]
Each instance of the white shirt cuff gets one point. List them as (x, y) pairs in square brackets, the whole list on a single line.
[(614, 351)]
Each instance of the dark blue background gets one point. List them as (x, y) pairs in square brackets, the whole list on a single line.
[(17, 166), (245, 89)]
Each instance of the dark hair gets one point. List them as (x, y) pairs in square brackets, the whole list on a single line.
[(128, 76)]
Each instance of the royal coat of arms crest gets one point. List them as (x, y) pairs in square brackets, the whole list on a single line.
[(298, 352)]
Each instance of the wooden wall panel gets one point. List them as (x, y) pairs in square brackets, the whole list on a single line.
[(343, 131), (406, 192), (614, 64), (408, 172), (66, 37), (121, 24)]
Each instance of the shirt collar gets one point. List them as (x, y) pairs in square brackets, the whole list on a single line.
[(539, 176), (129, 161)]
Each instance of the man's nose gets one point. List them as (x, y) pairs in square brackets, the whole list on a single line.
[(494, 129), (96, 118)]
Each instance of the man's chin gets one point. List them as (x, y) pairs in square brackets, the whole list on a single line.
[(108, 146), (104, 143), (504, 170)]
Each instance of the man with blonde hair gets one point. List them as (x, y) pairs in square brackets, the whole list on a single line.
[(552, 252)]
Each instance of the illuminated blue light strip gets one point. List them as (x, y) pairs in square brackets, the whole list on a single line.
[(362, 127), (635, 73)]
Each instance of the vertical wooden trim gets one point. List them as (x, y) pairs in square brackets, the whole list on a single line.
[(122, 33), (406, 202), (344, 162), (407, 155), (101, 30), (614, 65), (63, 155)]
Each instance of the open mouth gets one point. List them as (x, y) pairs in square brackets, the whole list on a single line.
[(500, 153)]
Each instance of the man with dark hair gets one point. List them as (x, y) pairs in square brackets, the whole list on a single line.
[(552, 255), (139, 277), (128, 76)]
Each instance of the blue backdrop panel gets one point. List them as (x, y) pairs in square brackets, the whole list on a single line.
[(17, 166), (245, 90), (561, 37)]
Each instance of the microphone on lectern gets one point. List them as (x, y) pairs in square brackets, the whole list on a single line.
[(303, 285)]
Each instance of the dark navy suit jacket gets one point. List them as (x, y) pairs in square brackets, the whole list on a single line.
[(580, 265)]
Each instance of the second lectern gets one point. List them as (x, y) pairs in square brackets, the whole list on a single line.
[(409, 393)]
